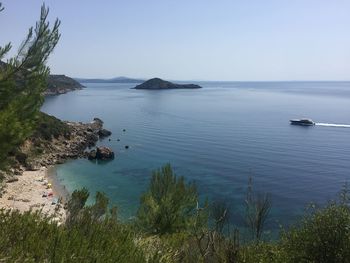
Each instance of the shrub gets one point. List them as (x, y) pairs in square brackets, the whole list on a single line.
[(323, 236), (169, 205), (33, 237), (48, 127)]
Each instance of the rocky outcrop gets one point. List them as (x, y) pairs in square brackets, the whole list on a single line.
[(91, 155), (60, 84), (159, 84), (104, 133), (59, 149), (101, 153), (104, 153)]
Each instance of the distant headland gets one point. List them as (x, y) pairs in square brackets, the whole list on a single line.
[(60, 84), (112, 80), (56, 84), (159, 84)]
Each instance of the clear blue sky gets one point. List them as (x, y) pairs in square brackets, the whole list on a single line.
[(193, 39)]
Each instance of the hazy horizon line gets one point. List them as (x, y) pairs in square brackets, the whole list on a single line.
[(203, 80)]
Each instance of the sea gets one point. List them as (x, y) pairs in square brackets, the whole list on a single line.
[(220, 137)]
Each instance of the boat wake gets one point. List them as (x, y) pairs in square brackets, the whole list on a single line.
[(333, 125)]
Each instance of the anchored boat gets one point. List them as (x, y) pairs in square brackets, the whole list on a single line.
[(302, 122)]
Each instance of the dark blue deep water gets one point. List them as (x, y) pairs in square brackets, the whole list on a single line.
[(218, 136)]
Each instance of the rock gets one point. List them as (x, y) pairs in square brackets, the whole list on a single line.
[(98, 120), (91, 139), (104, 153), (21, 157), (96, 124), (92, 155), (33, 167), (11, 180), (104, 133), (18, 172)]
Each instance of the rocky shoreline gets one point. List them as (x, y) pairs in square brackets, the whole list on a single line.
[(73, 146), (27, 184)]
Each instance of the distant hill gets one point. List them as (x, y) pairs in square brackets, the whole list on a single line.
[(60, 84), (112, 80), (157, 83), (56, 84)]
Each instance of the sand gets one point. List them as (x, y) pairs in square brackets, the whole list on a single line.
[(32, 191)]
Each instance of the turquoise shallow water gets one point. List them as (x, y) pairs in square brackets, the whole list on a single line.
[(218, 136)]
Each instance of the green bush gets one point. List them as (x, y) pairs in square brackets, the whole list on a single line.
[(169, 205), (48, 127), (322, 237), (33, 237)]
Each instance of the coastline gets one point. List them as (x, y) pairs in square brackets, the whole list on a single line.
[(58, 188), (32, 191), (35, 186)]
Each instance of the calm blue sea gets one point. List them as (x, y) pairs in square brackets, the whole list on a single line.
[(218, 136)]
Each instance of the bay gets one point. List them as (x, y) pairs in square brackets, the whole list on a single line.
[(219, 137)]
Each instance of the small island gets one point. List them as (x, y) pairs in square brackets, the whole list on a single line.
[(159, 84)]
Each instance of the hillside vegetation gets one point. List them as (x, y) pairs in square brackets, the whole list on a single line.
[(168, 228), (59, 84)]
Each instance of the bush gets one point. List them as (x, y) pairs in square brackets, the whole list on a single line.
[(169, 205), (322, 237), (48, 127), (33, 237)]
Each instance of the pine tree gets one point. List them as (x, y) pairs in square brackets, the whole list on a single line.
[(22, 83), (169, 205)]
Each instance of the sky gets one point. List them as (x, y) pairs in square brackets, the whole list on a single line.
[(239, 40)]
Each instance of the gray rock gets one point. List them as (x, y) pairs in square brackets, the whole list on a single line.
[(104, 133), (92, 155), (104, 153)]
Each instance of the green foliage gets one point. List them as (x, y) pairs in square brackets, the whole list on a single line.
[(48, 127), (257, 211), (169, 205), (32, 237), (261, 252), (22, 82), (75, 205), (93, 234), (323, 236)]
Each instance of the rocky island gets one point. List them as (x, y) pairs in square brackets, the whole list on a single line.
[(159, 84)]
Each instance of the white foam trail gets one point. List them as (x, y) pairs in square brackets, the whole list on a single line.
[(333, 125)]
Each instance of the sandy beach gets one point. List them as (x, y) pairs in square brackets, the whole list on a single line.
[(34, 190), (35, 186)]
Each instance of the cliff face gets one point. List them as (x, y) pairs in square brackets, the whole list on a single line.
[(157, 83), (60, 84)]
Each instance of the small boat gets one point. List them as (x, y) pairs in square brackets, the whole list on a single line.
[(302, 122)]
